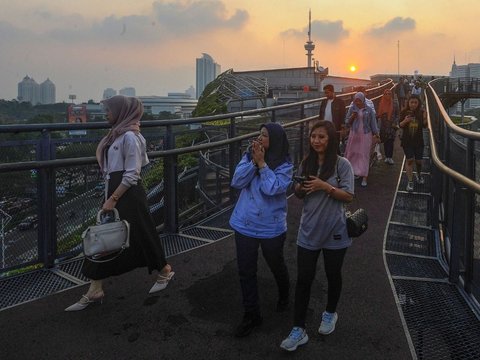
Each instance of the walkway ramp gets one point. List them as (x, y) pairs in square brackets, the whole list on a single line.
[(195, 316)]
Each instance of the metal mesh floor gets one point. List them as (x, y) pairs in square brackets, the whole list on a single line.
[(412, 209), (176, 243), (208, 233), (73, 268), (400, 265), (40, 283), (440, 323), (410, 240), (31, 286)]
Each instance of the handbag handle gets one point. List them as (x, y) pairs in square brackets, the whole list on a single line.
[(101, 211)]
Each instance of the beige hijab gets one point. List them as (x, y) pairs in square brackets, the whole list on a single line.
[(127, 112)]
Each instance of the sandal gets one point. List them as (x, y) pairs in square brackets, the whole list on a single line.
[(161, 282)]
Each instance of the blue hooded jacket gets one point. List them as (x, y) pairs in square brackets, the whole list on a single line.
[(261, 209)]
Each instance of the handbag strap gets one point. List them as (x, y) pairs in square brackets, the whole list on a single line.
[(92, 259), (345, 205)]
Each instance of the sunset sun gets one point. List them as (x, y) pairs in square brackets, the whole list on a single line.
[(353, 68)]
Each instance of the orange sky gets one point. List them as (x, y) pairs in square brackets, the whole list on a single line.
[(85, 47)]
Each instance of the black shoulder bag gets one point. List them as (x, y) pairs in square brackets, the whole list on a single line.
[(357, 222)]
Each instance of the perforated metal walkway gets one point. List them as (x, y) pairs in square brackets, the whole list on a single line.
[(438, 321), (30, 286)]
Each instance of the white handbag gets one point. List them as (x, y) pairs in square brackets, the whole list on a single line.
[(106, 238)]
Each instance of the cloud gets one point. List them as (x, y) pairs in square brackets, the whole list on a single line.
[(396, 25), (323, 30), (188, 18), (166, 20)]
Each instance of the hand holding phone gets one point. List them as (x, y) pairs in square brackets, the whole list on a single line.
[(299, 179)]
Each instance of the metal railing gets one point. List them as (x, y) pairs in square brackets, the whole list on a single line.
[(455, 190), (55, 235)]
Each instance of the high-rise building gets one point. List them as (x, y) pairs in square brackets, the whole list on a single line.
[(207, 71), (47, 92), (127, 91), (471, 70), (108, 93), (190, 91), (28, 91)]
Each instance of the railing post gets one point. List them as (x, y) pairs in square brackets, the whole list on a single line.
[(47, 241), (170, 188), (456, 235), (232, 157), (469, 215), (274, 119)]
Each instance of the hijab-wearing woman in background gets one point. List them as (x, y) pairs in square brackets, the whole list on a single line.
[(387, 113), (413, 119), (327, 187), (121, 154), (363, 127), (259, 219)]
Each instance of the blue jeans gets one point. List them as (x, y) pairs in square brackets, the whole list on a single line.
[(247, 256)]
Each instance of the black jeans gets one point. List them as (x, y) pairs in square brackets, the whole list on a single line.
[(388, 148), (307, 264), (247, 256)]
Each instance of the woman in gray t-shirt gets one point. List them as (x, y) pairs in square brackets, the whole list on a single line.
[(325, 182)]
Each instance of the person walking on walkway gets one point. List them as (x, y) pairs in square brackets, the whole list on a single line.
[(328, 185), (388, 119), (413, 120), (363, 131), (333, 109), (121, 154), (259, 218)]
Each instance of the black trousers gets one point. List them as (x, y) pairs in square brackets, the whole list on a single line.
[(247, 256), (388, 147), (306, 265)]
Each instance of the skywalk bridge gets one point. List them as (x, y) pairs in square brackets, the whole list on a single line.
[(411, 283)]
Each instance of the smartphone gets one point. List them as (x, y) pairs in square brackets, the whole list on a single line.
[(299, 179)]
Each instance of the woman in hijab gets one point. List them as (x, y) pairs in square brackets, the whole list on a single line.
[(259, 219), (388, 118), (363, 124), (121, 154)]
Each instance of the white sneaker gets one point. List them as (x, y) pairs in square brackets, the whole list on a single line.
[(410, 186), (390, 161), (297, 337), (379, 156), (364, 183), (387, 160), (328, 323)]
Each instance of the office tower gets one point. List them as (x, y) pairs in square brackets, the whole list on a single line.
[(28, 91), (108, 93), (207, 71), (47, 92), (191, 91), (127, 91)]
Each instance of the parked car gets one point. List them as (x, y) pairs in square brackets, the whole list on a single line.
[(30, 222)]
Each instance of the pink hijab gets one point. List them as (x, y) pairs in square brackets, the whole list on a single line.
[(127, 112)]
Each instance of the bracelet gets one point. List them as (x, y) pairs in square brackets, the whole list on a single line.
[(115, 197)]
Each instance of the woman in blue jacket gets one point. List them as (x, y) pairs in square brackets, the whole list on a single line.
[(259, 219)]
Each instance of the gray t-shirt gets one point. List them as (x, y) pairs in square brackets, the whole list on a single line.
[(323, 222)]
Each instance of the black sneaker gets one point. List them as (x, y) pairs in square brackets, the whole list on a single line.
[(249, 322)]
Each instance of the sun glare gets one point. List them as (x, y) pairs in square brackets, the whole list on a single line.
[(353, 68)]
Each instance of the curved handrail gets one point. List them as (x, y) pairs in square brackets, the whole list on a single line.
[(471, 184), (18, 166), (155, 123), (455, 128)]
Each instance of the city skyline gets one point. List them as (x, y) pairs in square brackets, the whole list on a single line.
[(87, 47)]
